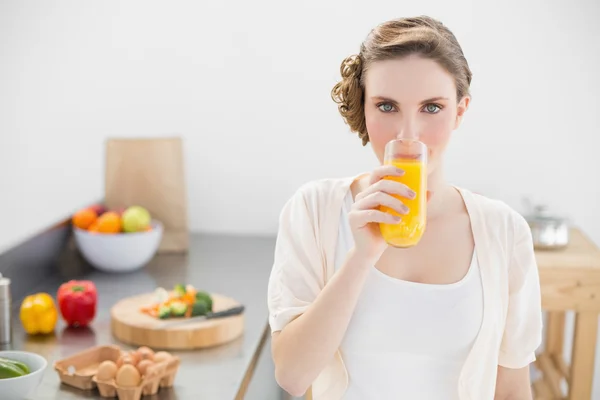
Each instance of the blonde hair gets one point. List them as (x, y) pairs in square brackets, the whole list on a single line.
[(393, 39)]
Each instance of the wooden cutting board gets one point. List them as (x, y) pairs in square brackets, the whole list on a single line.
[(131, 326)]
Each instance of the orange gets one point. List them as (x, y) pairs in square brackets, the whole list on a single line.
[(93, 227), (109, 222), (84, 218)]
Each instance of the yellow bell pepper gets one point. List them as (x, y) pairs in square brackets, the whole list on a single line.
[(38, 313)]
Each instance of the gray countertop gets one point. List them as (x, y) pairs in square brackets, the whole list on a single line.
[(233, 266)]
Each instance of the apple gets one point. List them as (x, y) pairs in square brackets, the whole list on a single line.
[(135, 219), (99, 209)]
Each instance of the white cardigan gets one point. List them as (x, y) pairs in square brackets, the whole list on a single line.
[(511, 329)]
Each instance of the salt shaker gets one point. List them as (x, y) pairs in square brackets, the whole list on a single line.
[(5, 311)]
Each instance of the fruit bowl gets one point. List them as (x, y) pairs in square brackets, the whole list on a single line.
[(21, 387), (119, 252)]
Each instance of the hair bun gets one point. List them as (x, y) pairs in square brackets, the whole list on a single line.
[(351, 67), (348, 94)]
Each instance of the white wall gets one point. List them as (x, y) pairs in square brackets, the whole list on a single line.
[(247, 84)]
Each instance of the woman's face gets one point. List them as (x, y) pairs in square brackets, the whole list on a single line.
[(412, 97)]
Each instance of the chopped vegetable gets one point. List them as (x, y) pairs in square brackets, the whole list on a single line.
[(188, 298), (180, 290), (178, 308), (199, 308), (184, 301), (164, 312), (205, 297), (161, 295)]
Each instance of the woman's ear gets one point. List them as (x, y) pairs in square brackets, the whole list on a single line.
[(461, 109)]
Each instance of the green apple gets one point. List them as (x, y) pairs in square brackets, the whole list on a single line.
[(135, 219)]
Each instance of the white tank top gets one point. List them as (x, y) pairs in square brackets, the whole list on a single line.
[(408, 340)]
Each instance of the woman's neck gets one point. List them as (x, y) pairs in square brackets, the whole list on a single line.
[(441, 195)]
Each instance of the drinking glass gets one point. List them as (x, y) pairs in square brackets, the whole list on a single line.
[(410, 156)]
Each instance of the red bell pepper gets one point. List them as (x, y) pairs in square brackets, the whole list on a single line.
[(77, 302)]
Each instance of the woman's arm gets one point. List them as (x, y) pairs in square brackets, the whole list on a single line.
[(513, 384), (303, 348), (309, 319), (523, 328)]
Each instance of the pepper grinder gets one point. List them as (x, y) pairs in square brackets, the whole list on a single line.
[(5, 311)]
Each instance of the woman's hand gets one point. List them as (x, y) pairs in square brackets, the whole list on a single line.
[(365, 214)]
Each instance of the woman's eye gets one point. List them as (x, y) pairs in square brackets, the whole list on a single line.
[(432, 108), (386, 107)]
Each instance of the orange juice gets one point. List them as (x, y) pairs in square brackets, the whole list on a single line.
[(408, 232)]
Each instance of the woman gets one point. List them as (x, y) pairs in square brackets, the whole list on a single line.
[(457, 316)]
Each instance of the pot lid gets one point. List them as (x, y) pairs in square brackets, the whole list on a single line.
[(541, 213)]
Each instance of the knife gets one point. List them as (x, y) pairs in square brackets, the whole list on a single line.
[(212, 315)]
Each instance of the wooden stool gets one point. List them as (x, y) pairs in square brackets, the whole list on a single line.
[(570, 281)]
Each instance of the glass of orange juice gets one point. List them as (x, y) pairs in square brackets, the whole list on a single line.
[(410, 156)]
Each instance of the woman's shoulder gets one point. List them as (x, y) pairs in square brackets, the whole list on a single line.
[(322, 193), (496, 212)]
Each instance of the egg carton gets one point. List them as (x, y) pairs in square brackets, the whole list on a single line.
[(159, 375), (79, 371)]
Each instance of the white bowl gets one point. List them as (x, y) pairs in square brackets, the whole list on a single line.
[(23, 386), (120, 252)]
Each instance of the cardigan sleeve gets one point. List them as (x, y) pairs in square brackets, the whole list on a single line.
[(297, 273), (523, 328)]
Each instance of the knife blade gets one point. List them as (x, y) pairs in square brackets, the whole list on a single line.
[(213, 315)]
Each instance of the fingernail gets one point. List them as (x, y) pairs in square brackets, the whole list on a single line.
[(405, 209), (400, 171), (412, 194), (397, 219)]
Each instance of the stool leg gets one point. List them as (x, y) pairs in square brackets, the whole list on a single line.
[(584, 354), (555, 335)]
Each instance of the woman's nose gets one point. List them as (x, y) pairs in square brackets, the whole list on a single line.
[(407, 129)]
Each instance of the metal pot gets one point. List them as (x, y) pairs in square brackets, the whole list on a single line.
[(548, 231)]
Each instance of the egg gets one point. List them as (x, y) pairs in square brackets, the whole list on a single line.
[(126, 358), (107, 370), (135, 356), (143, 366), (162, 356), (128, 376), (145, 353)]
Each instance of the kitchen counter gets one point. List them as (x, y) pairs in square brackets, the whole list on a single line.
[(238, 267)]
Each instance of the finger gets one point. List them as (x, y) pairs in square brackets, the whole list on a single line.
[(390, 187), (385, 170), (377, 199), (364, 217)]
